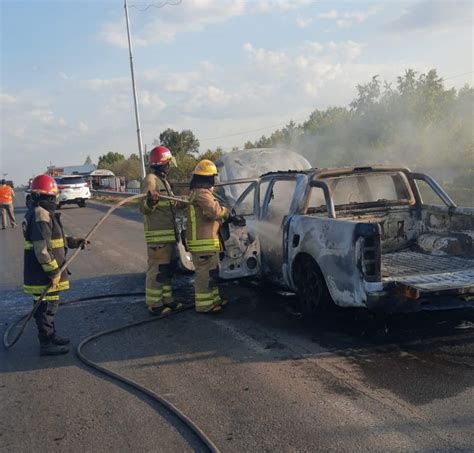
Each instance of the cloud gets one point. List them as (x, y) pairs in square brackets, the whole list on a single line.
[(349, 50), (106, 85), (347, 18), (172, 82), (189, 16), (7, 99), (266, 58), (64, 76), (83, 127), (151, 101), (434, 16), (303, 22), (291, 76), (267, 6)]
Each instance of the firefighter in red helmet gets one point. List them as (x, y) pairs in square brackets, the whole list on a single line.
[(161, 233), (45, 252)]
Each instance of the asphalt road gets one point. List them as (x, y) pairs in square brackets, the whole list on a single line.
[(255, 378)]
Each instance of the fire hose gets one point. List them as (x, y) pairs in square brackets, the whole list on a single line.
[(37, 303), (24, 320)]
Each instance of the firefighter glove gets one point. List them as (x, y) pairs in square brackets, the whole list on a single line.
[(75, 242), (152, 198), (238, 220), (55, 279)]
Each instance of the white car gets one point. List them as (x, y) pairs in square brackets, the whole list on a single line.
[(72, 189)]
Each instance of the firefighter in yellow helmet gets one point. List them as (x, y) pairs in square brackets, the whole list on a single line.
[(161, 233), (205, 216)]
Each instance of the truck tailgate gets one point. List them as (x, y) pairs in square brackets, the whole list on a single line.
[(428, 273)]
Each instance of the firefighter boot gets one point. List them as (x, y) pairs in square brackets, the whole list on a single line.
[(173, 305), (60, 341), (213, 310), (49, 348), (162, 310)]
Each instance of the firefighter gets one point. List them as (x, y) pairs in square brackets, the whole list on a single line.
[(45, 251), (161, 233), (6, 204), (205, 216)]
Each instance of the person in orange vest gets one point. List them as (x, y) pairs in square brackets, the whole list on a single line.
[(6, 204)]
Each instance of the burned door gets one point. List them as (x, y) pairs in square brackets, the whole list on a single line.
[(273, 213), (241, 256)]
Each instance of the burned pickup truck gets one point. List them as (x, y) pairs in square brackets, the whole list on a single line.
[(355, 237)]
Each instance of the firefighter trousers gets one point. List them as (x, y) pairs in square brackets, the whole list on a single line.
[(44, 317), (206, 291), (7, 209), (158, 290)]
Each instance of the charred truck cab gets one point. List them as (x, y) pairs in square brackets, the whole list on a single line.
[(355, 237)]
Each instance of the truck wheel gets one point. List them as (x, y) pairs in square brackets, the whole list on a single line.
[(82, 203), (313, 295)]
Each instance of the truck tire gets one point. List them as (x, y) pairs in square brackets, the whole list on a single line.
[(81, 203), (311, 289)]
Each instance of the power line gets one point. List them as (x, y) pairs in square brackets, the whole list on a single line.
[(459, 75), (252, 130), (297, 119), (155, 5)]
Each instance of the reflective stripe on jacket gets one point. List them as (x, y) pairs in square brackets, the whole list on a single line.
[(205, 216), (158, 219), (44, 251)]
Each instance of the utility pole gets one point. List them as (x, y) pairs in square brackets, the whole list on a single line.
[(134, 89)]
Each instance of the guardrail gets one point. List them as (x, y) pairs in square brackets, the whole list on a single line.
[(179, 188), (112, 193)]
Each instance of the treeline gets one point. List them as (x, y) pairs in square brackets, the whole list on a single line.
[(416, 122), (184, 146)]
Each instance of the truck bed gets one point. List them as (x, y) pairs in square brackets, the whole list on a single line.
[(427, 272)]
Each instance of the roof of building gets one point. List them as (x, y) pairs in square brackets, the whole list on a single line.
[(74, 169)]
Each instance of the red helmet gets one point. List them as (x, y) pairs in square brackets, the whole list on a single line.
[(159, 155), (44, 185)]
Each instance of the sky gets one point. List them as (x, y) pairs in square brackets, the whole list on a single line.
[(229, 70)]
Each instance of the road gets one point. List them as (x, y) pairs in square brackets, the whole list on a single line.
[(255, 378)]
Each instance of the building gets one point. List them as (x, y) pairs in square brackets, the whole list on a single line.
[(99, 179), (83, 170)]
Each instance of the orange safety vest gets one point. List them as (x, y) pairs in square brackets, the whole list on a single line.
[(6, 194)]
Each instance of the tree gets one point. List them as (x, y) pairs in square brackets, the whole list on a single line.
[(416, 122), (128, 168), (120, 166), (109, 159), (179, 143), (368, 96), (88, 160)]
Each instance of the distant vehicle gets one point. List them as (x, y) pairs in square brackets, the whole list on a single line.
[(73, 189)]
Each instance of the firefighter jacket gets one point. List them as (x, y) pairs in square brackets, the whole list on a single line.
[(158, 219), (205, 216), (6, 194), (45, 251)]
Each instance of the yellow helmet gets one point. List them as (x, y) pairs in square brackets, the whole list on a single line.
[(205, 168)]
